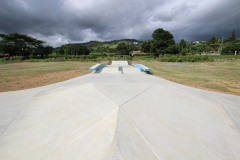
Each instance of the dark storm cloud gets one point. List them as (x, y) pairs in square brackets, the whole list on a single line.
[(64, 21), (217, 19)]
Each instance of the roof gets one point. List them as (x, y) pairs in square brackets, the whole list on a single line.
[(137, 52)]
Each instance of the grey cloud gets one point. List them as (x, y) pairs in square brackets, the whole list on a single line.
[(173, 13), (218, 21), (65, 21)]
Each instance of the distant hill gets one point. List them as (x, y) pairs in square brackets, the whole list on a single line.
[(108, 46), (124, 40), (96, 43)]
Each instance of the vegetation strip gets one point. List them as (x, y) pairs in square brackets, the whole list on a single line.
[(218, 70)]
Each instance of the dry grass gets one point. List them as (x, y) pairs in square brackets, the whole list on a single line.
[(18, 76), (216, 76)]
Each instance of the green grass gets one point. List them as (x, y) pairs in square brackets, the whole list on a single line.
[(112, 46), (145, 58), (222, 57), (217, 76)]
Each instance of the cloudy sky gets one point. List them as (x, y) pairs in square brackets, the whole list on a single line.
[(69, 21)]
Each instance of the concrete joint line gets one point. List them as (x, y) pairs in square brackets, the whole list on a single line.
[(21, 111), (228, 115), (147, 142), (93, 127), (137, 95), (111, 153)]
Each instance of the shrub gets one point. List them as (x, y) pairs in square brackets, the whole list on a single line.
[(187, 58), (16, 58)]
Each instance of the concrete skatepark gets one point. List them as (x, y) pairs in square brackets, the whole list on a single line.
[(119, 115)]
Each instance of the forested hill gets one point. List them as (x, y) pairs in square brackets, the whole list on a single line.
[(95, 43), (123, 46), (108, 46)]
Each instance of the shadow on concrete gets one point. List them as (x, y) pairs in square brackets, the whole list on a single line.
[(149, 72)]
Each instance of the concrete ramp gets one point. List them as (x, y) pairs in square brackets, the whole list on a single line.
[(120, 67), (116, 69), (110, 116), (119, 63)]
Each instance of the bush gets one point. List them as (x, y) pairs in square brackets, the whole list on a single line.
[(2, 60), (16, 58), (187, 58), (61, 58), (146, 57), (225, 56)]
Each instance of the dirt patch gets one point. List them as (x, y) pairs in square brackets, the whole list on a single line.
[(13, 83), (135, 62)]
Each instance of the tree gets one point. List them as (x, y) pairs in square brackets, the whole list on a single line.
[(132, 47), (146, 46), (162, 39), (74, 49), (183, 47), (122, 48), (163, 35), (19, 44), (182, 44), (213, 43), (173, 49), (231, 47)]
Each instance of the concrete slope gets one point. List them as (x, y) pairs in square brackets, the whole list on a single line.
[(178, 125), (61, 120), (119, 116)]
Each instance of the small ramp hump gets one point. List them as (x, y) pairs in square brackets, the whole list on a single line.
[(96, 67), (120, 63), (119, 67), (141, 67)]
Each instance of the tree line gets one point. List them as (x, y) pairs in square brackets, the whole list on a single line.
[(15, 44), (163, 43)]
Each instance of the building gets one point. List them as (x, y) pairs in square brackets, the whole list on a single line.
[(137, 53)]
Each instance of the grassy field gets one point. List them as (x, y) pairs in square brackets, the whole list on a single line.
[(17, 76), (221, 76), (216, 76)]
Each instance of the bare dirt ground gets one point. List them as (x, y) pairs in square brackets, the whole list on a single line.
[(19, 76), (25, 82)]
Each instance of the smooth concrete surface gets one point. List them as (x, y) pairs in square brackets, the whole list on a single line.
[(119, 116), (122, 63), (120, 69)]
